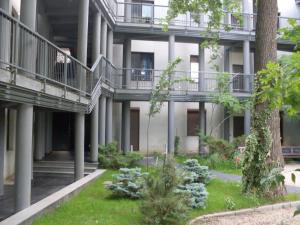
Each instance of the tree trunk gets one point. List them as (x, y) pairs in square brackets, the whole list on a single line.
[(266, 51)]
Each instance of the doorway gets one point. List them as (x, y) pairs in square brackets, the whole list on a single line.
[(135, 128)]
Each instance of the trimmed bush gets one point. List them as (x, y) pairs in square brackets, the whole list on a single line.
[(196, 191), (128, 183), (199, 174), (110, 158)]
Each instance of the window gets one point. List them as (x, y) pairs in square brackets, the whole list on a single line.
[(142, 66), (194, 67), (238, 126), (193, 121), (142, 11), (238, 80)]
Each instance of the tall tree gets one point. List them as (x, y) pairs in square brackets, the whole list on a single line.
[(266, 52)]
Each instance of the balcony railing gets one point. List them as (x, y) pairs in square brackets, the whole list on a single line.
[(26, 53), (147, 79), (150, 14)]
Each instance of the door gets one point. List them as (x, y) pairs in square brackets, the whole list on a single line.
[(135, 129)]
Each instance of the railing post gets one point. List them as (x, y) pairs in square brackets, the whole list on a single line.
[(16, 49), (66, 73), (45, 59)]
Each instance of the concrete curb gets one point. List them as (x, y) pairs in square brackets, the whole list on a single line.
[(284, 205), (51, 202)]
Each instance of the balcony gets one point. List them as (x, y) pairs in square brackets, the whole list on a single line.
[(36, 71), (141, 82)]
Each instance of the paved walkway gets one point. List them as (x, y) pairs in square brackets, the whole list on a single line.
[(42, 186), (290, 186)]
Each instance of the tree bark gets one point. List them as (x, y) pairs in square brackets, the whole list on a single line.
[(265, 52)]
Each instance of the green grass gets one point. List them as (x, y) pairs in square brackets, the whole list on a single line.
[(94, 205), (225, 166)]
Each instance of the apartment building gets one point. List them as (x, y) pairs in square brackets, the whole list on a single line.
[(78, 73)]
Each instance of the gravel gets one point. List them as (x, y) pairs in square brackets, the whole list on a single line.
[(268, 217)]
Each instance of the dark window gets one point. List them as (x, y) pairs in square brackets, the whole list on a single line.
[(142, 11), (238, 126), (238, 79), (142, 66), (193, 121)]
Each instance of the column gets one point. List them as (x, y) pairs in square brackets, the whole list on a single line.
[(95, 112), (102, 119), (226, 113), (82, 40), (127, 10), (3, 134), (104, 37), (40, 135), (5, 34), (49, 126), (126, 126), (23, 157), (110, 45), (108, 135), (127, 62), (29, 45), (94, 133), (201, 63), (79, 146), (171, 103)]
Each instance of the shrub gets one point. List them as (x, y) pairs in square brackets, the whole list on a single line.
[(176, 145), (128, 183), (199, 173), (229, 203), (161, 204), (197, 193), (110, 157), (272, 184), (213, 160)]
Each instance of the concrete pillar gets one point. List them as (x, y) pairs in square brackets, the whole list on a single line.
[(226, 114), (104, 38), (126, 126), (108, 135), (171, 103), (3, 134), (247, 71), (102, 119), (94, 133), (127, 62), (96, 39), (128, 11), (82, 40), (79, 146), (201, 62), (110, 45), (29, 44), (23, 157), (40, 136), (202, 120), (49, 126), (5, 34)]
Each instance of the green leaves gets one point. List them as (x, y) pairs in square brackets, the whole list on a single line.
[(297, 212)]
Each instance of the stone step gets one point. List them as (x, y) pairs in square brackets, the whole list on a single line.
[(63, 163)]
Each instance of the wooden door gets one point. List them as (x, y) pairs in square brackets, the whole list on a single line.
[(135, 129)]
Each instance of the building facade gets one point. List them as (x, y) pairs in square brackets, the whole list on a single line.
[(78, 74)]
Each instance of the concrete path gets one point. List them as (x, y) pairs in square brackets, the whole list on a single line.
[(290, 186)]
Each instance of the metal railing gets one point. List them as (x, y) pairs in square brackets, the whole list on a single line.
[(147, 13), (147, 79), (27, 53)]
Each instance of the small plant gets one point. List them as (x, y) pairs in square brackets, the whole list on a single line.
[(273, 184), (201, 174), (128, 183), (161, 204), (110, 157), (213, 160), (229, 203), (196, 191), (176, 145)]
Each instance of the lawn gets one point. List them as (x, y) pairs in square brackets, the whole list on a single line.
[(94, 205)]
